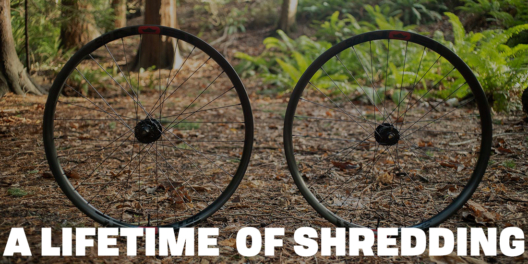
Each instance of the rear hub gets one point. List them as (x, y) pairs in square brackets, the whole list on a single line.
[(387, 135), (148, 131)]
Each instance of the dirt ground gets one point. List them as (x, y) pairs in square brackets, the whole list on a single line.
[(267, 197)]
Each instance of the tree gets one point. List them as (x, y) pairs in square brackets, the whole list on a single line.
[(288, 13), (163, 55), (13, 76), (120, 9), (78, 27)]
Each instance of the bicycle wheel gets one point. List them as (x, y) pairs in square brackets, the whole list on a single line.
[(387, 129), (152, 147)]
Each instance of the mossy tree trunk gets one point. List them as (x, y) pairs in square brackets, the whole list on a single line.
[(78, 27), (13, 76), (152, 52)]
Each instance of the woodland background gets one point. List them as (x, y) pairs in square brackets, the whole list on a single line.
[(269, 43)]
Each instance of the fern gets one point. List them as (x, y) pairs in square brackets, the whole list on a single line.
[(502, 70)]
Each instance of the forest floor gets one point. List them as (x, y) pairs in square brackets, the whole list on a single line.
[(267, 196)]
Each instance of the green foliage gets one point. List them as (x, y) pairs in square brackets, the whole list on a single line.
[(319, 10), (43, 31), (285, 60), (230, 17), (96, 77), (509, 164), (415, 11), (501, 70), (383, 20), (16, 192), (45, 20), (337, 30), (504, 13), (235, 21), (409, 11)]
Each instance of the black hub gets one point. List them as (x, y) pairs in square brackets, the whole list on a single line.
[(148, 131), (387, 135)]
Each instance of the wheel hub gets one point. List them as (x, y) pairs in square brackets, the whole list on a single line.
[(148, 131), (386, 134)]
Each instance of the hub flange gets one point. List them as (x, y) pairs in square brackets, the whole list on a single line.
[(148, 131), (386, 134)]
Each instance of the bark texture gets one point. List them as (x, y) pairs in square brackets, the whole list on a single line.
[(288, 13), (13, 76), (120, 9), (79, 24), (156, 50)]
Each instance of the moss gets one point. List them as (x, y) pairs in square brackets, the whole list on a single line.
[(16, 192)]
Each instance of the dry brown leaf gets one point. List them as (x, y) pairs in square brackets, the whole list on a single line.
[(199, 188), (344, 165), (399, 119), (448, 164), (386, 178), (73, 175), (231, 242), (85, 137), (504, 150), (47, 175), (450, 187), (423, 144), (479, 213)]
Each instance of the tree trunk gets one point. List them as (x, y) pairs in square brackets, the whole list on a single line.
[(120, 9), (162, 55), (79, 24), (13, 76), (288, 12)]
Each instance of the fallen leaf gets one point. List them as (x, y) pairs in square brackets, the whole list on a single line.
[(504, 150), (423, 144), (344, 165), (151, 190), (231, 242), (448, 164), (478, 213), (386, 178), (47, 175), (73, 175)]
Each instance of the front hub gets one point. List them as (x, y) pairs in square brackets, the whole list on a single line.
[(148, 131), (387, 135)]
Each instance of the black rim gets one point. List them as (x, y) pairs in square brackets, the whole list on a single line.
[(370, 137), (161, 146)]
